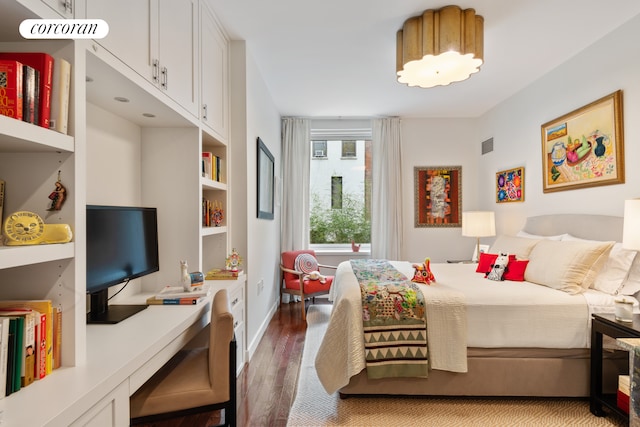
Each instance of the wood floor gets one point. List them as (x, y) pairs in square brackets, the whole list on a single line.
[(267, 384)]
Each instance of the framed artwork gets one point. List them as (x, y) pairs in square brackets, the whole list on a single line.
[(483, 250), (510, 185), (438, 196), (265, 181), (585, 147)]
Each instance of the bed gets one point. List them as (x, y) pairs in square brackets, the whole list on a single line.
[(523, 338)]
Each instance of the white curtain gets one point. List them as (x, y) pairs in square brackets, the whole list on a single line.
[(386, 203), (296, 152)]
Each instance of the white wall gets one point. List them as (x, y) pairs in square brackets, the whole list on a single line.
[(254, 115), (610, 64), (438, 142)]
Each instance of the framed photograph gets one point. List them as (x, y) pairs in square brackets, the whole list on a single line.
[(265, 181), (483, 250), (438, 196), (510, 185), (585, 147)]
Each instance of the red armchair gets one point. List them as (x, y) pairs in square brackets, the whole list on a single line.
[(292, 276)]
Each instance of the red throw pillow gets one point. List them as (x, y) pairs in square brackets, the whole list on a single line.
[(487, 260), (515, 270)]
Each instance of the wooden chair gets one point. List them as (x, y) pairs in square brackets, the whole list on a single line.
[(194, 380), (292, 279)]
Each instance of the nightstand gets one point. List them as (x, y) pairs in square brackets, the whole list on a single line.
[(460, 261), (606, 324)]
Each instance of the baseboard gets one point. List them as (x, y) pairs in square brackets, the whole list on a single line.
[(251, 348)]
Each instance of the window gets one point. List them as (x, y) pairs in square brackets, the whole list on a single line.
[(348, 149), (340, 193), (319, 149), (336, 192)]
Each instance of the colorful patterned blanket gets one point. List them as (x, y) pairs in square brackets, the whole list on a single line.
[(394, 321)]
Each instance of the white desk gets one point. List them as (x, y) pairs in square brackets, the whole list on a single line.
[(120, 358)]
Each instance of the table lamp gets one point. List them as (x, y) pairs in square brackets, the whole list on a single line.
[(478, 224), (631, 227)]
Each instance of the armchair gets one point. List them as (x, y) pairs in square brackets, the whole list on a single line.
[(294, 267)]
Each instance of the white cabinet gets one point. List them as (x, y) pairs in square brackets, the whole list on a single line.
[(156, 38), (63, 7), (214, 72), (110, 411)]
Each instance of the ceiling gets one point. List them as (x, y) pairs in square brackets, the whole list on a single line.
[(336, 58)]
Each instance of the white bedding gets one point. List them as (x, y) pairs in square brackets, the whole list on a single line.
[(499, 314)]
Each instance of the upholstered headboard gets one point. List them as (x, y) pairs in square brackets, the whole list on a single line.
[(585, 226)]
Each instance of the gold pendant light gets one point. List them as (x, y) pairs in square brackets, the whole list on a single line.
[(440, 47)]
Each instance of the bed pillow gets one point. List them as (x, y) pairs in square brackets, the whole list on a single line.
[(515, 270), (567, 266), (524, 234), (520, 246), (632, 284), (305, 263), (487, 260), (615, 272)]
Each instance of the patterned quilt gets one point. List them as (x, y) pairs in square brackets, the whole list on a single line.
[(394, 321)]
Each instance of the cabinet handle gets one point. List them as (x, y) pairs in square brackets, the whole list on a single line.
[(155, 66), (68, 5), (235, 324), (165, 78), (234, 302), (204, 112)]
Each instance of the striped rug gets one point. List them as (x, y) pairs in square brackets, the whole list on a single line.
[(314, 407)]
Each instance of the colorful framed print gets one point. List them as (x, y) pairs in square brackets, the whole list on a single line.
[(510, 185), (438, 196), (585, 147)]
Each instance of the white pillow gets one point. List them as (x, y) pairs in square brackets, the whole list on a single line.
[(524, 234), (519, 246), (615, 271), (632, 285), (567, 266)]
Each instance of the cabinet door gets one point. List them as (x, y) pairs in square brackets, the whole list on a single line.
[(214, 50), (63, 7), (131, 28), (178, 47)]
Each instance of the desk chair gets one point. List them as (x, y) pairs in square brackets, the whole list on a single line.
[(195, 380)]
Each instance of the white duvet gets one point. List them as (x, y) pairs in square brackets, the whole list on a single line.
[(498, 314)]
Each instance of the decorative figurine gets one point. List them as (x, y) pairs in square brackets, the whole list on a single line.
[(234, 260), (423, 273), (217, 214), (57, 196)]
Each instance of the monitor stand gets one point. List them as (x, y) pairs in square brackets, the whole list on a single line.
[(103, 313)]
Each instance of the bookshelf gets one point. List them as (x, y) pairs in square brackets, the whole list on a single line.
[(171, 144)]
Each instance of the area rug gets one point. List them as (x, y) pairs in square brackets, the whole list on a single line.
[(313, 407)]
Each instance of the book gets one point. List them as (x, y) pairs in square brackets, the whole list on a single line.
[(222, 274), (11, 356), (57, 337), (2, 184), (26, 350), (176, 301), (207, 159), (11, 88), (43, 63), (46, 308), (4, 347), (60, 92), (28, 94)]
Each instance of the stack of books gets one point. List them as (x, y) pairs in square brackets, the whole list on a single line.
[(176, 295), (34, 88), (624, 389), (30, 338), (222, 274)]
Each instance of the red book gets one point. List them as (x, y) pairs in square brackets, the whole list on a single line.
[(43, 63), (11, 88)]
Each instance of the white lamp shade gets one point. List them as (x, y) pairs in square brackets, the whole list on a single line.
[(478, 224), (631, 229)]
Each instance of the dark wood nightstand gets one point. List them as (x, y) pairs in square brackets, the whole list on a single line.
[(606, 324)]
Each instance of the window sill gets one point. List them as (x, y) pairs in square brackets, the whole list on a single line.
[(341, 252)]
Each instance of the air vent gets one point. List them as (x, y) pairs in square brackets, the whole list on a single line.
[(487, 146)]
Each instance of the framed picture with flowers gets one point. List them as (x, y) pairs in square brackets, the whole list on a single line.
[(510, 185)]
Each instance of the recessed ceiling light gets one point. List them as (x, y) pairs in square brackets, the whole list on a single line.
[(121, 99), (148, 115), (88, 79)]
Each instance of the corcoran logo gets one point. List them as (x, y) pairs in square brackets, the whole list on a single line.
[(64, 29)]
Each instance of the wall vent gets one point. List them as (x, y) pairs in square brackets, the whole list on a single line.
[(487, 146)]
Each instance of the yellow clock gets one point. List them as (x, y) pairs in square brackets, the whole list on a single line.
[(24, 228)]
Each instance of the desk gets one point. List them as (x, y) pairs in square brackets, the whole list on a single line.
[(605, 324), (120, 358)]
